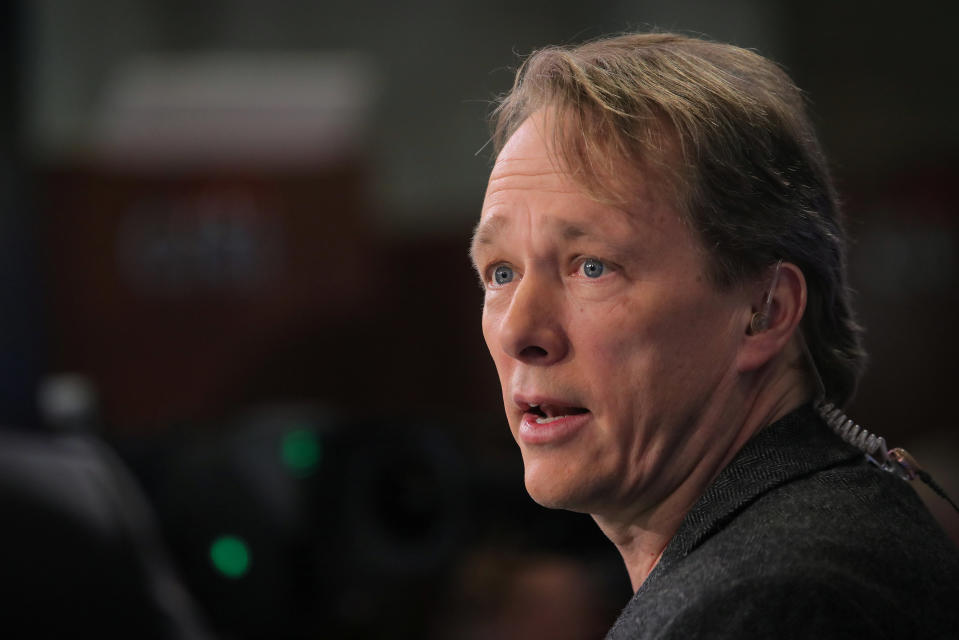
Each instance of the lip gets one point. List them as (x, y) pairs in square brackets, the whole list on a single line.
[(553, 432), (523, 401)]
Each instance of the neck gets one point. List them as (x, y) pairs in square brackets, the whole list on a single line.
[(641, 545), (763, 398)]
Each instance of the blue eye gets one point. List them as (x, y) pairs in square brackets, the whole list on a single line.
[(502, 274), (593, 268)]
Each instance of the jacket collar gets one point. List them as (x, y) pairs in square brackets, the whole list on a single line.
[(796, 445)]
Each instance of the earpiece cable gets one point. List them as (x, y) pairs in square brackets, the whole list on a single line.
[(896, 461)]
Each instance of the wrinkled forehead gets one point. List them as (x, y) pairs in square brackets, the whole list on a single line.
[(532, 184), (624, 169), (529, 160), (526, 167)]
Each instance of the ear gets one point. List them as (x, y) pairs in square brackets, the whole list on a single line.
[(774, 316)]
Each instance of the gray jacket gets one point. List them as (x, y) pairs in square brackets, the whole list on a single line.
[(799, 537)]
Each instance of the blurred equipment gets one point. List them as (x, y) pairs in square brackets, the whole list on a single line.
[(293, 523), (67, 403), (79, 547)]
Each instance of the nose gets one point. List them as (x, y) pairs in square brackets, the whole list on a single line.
[(532, 329)]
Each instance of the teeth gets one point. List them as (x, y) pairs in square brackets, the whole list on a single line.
[(533, 406), (548, 420)]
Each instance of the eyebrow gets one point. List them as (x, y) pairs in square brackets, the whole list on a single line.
[(486, 232), (570, 231)]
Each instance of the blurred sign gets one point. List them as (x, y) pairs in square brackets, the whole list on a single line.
[(210, 242), (220, 216), (172, 291), (236, 110)]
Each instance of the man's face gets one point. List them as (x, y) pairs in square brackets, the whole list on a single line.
[(613, 349)]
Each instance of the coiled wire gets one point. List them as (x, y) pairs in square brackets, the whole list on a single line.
[(851, 432), (896, 461)]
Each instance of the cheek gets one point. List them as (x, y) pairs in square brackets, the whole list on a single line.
[(611, 334), (614, 358), (637, 347), (486, 328), (489, 323), (490, 335)]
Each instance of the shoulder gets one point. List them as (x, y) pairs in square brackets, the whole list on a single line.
[(845, 552), (751, 606)]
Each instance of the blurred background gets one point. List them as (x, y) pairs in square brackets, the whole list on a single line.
[(233, 241)]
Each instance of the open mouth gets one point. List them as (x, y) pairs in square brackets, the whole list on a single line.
[(545, 413)]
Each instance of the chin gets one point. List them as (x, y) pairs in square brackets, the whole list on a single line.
[(552, 490)]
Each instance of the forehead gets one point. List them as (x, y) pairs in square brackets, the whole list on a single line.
[(529, 181), (533, 158)]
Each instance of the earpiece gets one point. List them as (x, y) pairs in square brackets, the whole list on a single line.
[(760, 320)]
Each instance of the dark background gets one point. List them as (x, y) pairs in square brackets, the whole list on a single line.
[(219, 263)]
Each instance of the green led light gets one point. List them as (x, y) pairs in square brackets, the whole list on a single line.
[(300, 451), (230, 556)]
